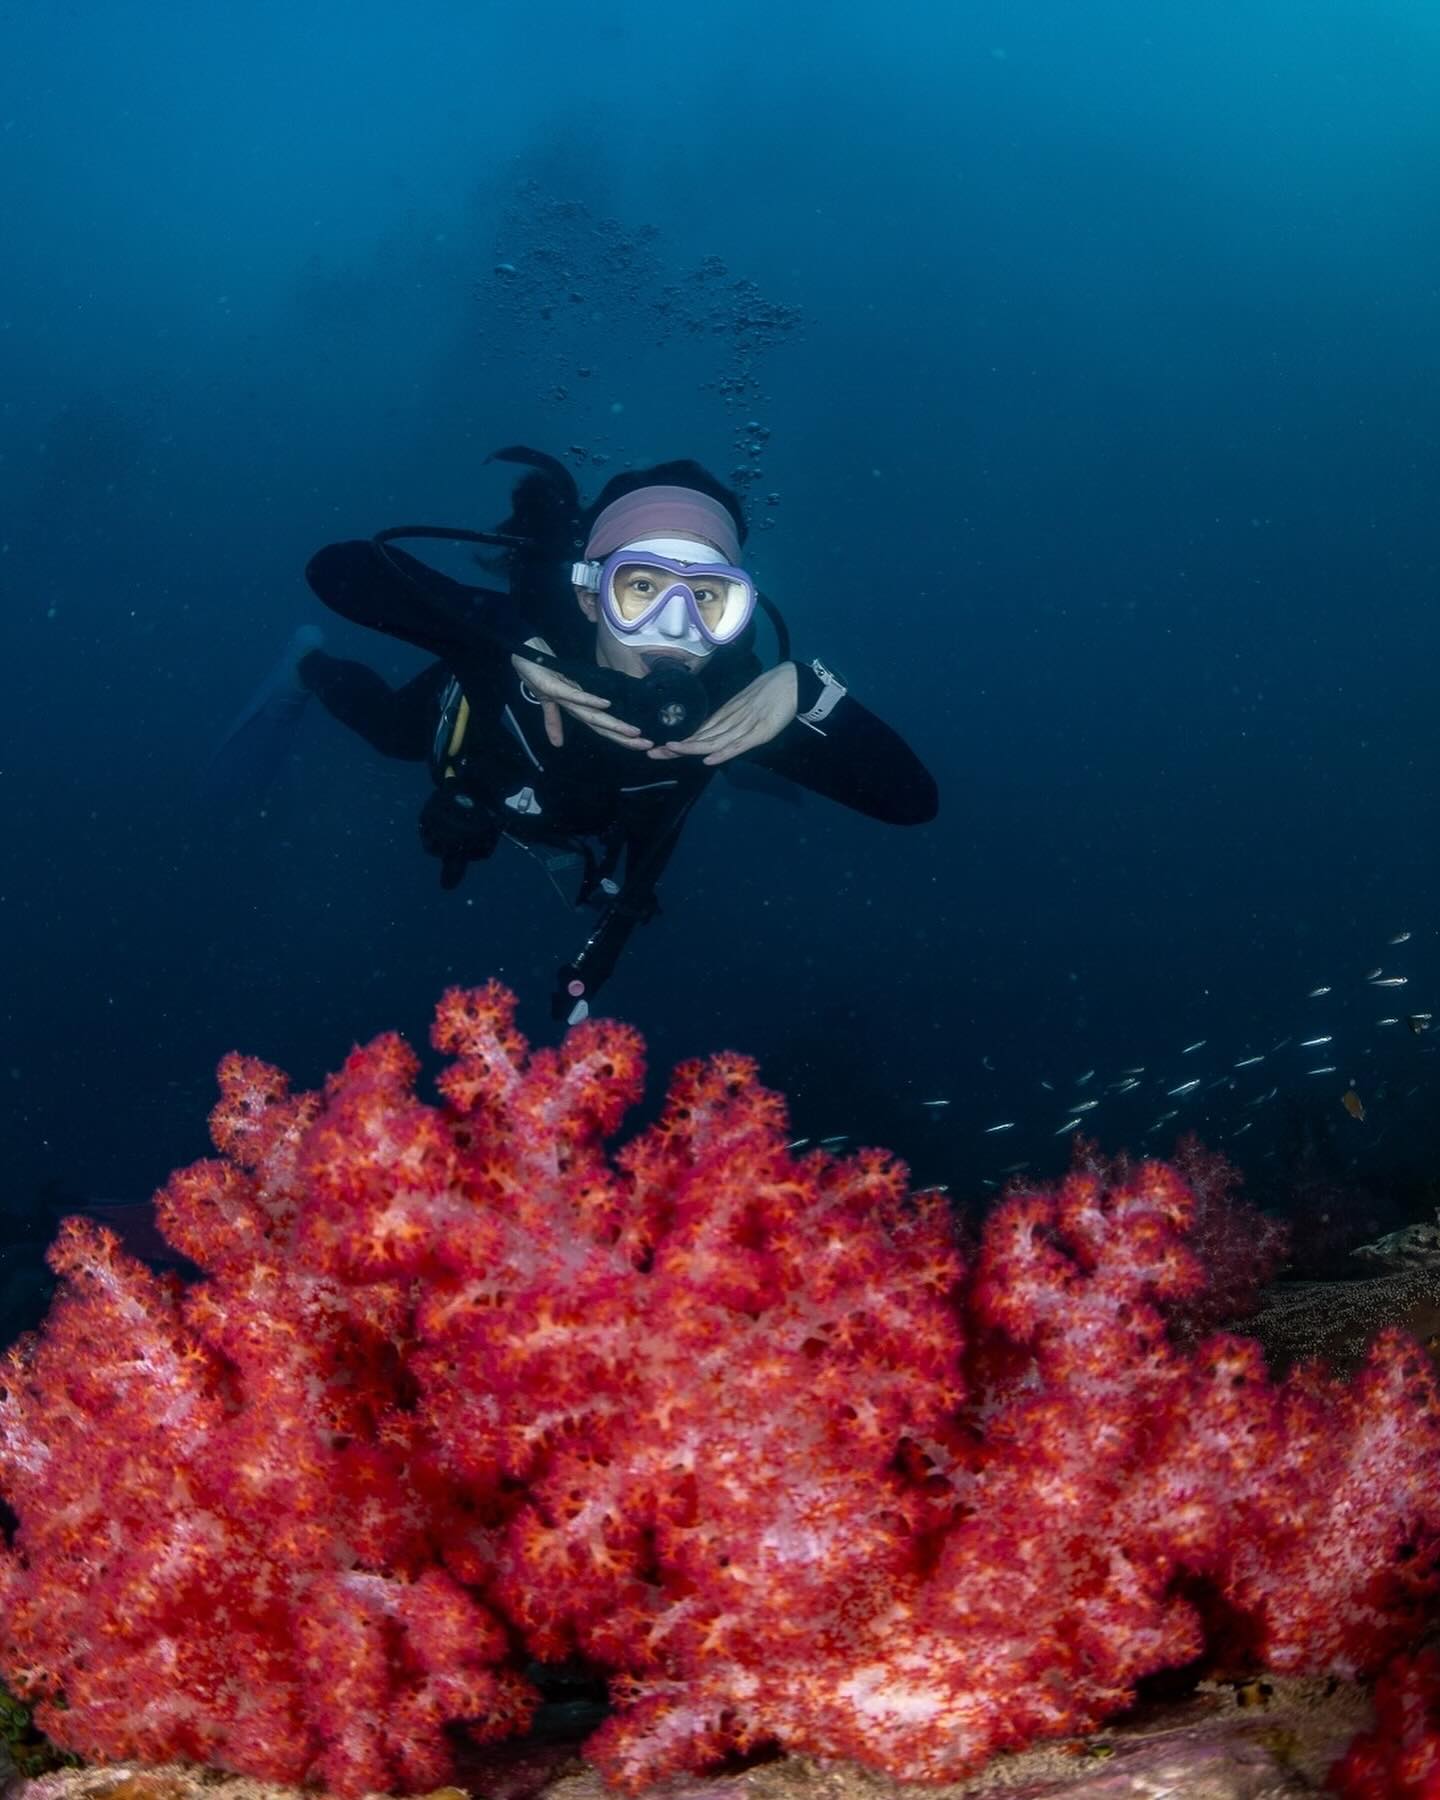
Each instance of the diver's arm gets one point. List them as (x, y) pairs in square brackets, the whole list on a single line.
[(389, 591), (838, 748)]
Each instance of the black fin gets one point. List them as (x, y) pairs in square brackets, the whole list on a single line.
[(539, 459)]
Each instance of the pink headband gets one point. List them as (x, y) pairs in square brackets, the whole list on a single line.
[(660, 512)]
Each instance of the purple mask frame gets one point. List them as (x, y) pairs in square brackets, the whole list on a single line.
[(684, 572)]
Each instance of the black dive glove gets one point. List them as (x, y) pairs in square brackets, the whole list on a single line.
[(457, 829)]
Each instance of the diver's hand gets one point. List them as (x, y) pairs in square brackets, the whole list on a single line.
[(457, 831), (752, 717), (559, 694)]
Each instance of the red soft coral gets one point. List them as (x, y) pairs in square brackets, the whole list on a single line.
[(1400, 1758), (736, 1426)]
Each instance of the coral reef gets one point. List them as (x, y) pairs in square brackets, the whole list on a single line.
[(1337, 1321), (462, 1387)]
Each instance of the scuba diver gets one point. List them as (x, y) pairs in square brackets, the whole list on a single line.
[(581, 711)]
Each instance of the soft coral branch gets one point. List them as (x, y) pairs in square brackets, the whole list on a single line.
[(221, 1531)]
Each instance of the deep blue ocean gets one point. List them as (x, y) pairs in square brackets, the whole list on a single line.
[(1081, 367)]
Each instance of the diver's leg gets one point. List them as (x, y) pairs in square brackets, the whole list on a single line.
[(398, 722), (262, 736)]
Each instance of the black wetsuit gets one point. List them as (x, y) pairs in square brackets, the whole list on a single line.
[(588, 794)]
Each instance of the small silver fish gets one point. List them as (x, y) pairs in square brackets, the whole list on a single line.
[(1400, 937), (1085, 1106), (1069, 1125), (1240, 1130), (1328, 1069), (797, 1143), (1049, 1086), (1247, 1062), (935, 1103), (1185, 1087), (1199, 1044), (1311, 1043), (1391, 981), (1387, 1021), (1139, 1069), (1014, 1168), (842, 1137), (1004, 1125), (1080, 1080), (1315, 993), (1370, 974), (1174, 1113)]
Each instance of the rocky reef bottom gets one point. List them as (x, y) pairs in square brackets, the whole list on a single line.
[(1264, 1740)]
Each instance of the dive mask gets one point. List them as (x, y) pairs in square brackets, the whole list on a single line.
[(655, 595)]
